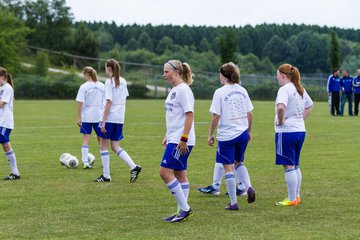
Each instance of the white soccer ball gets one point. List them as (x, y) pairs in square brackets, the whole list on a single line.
[(69, 160), (91, 158), (64, 157)]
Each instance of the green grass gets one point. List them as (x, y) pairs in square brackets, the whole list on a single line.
[(52, 202)]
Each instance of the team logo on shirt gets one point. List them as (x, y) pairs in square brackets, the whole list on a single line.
[(173, 96), (1, 92)]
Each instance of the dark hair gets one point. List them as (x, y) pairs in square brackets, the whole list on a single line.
[(8, 77), (90, 72), (115, 67), (183, 69), (334, 71), (231, 72), (294, 75)]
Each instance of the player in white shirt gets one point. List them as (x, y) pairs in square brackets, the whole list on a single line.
[(231, 110), (111, 121), (293, 105), (7, 120), (90, 99), (180, 136)]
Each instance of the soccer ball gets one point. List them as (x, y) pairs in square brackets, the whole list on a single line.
[(69, 160), (91, 158)]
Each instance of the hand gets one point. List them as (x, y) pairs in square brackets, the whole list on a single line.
[(211, 141), (183, 148), (164, 142), (103, 130), (79, 122), (329, 94), (249, 136)]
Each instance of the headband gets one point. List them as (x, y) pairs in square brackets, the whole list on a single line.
[(224, 74), (172, 65)]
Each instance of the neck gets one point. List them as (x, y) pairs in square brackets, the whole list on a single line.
[(177, 81)]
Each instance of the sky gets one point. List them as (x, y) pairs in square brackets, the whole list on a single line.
[(339, 13)]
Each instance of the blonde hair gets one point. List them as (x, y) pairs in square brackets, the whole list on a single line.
[(294, 75), (91, 73), (115, 67), (4, 73), (231, 72), (183, 69)]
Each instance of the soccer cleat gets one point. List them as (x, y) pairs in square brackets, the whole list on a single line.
[(210, 190), (102, 179), (182, 216), (298, 200), (168, 219), (232, 207), (12, 177), (251, 195), (286, 202), (87, 166), (135, 173), (239, 192)]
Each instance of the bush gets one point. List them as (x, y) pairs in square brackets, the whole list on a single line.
[(137, 90), (42, 63)]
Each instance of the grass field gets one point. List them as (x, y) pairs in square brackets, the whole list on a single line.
[(52, 202)]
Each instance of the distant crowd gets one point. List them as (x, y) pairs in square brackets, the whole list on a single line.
[(343, 89)]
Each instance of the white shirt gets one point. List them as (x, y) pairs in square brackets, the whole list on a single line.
[(117, 96), (179, 101), (6, 112), (294, 108), (91, 94), (232, 103)]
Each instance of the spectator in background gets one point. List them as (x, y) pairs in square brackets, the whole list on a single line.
[(356, 85), (346, 84), (333, 90)]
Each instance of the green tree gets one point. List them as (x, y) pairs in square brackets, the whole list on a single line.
[(277, 50), (204, 45), (13, 34), (85, 42), (105, 39), (132, 44), (227, 46), (145, 41), (334, 53), (165, 44), (42, 63)]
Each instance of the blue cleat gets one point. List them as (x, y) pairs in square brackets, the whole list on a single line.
[(182, 216), (210, 190)]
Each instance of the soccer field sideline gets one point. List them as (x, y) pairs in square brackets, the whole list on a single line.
[(51, 202)]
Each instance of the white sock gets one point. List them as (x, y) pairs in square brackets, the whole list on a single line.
[(242, 175), (85, 154), (299, 178), (185, 188), (218, 175), (231, 186), (12, 161), (291, 182), (126, 158), (240, 186), (176, 190), (105, 159)]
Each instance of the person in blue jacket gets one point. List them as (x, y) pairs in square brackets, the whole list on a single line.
[(333, 90), (346, 84), (356, 85)]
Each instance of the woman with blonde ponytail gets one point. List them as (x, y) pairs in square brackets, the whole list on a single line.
[(293, 105), (7, 120)]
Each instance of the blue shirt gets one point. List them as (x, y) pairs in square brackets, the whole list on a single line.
[(346, 84), (356, 85), (333, 84)]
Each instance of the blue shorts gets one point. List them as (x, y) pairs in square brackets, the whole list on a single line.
[(113, 131), (233, 150), (86, 128), (172, 158), (4, 135), (288, 147)]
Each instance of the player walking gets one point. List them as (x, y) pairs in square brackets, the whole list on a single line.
[(112, 120), (293, 105), (7, 120), (180, 136)]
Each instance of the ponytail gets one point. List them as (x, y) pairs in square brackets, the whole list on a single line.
[(8, 77), (91, 73), (115, 67), (231, 72), (294, 75), (183, 69)]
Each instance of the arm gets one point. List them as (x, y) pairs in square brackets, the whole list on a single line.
[(213, 125), (281, 114), (2, 104), (307, 112), (250, 119), (79, 110), (328, 86), (189, 118), (106, 113)]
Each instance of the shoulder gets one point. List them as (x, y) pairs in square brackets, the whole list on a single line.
[(7, 87)]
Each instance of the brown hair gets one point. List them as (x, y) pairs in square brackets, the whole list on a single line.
[(115, 67), (294, 75), (91, 73), (8, 77), (183, 69), (231, 72)]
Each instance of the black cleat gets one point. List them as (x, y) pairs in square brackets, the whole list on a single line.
[(135, 173), (102, 179), (12, 177)]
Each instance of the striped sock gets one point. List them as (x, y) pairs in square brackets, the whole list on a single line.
[(218, 175), (299, 178), (176, 190), (291, 183), (85, 154), (12, 161), (126, 158), (231, 186), (105, 159), (242, 175)]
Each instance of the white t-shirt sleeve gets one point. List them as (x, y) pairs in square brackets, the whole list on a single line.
[(216, 104), (186, 100), (7, 95), (249, 105), (282, 97), (81, 95), (307, 100), (108, 90), (126, 89)]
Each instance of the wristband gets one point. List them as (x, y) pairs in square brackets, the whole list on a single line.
[(184, 138)]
